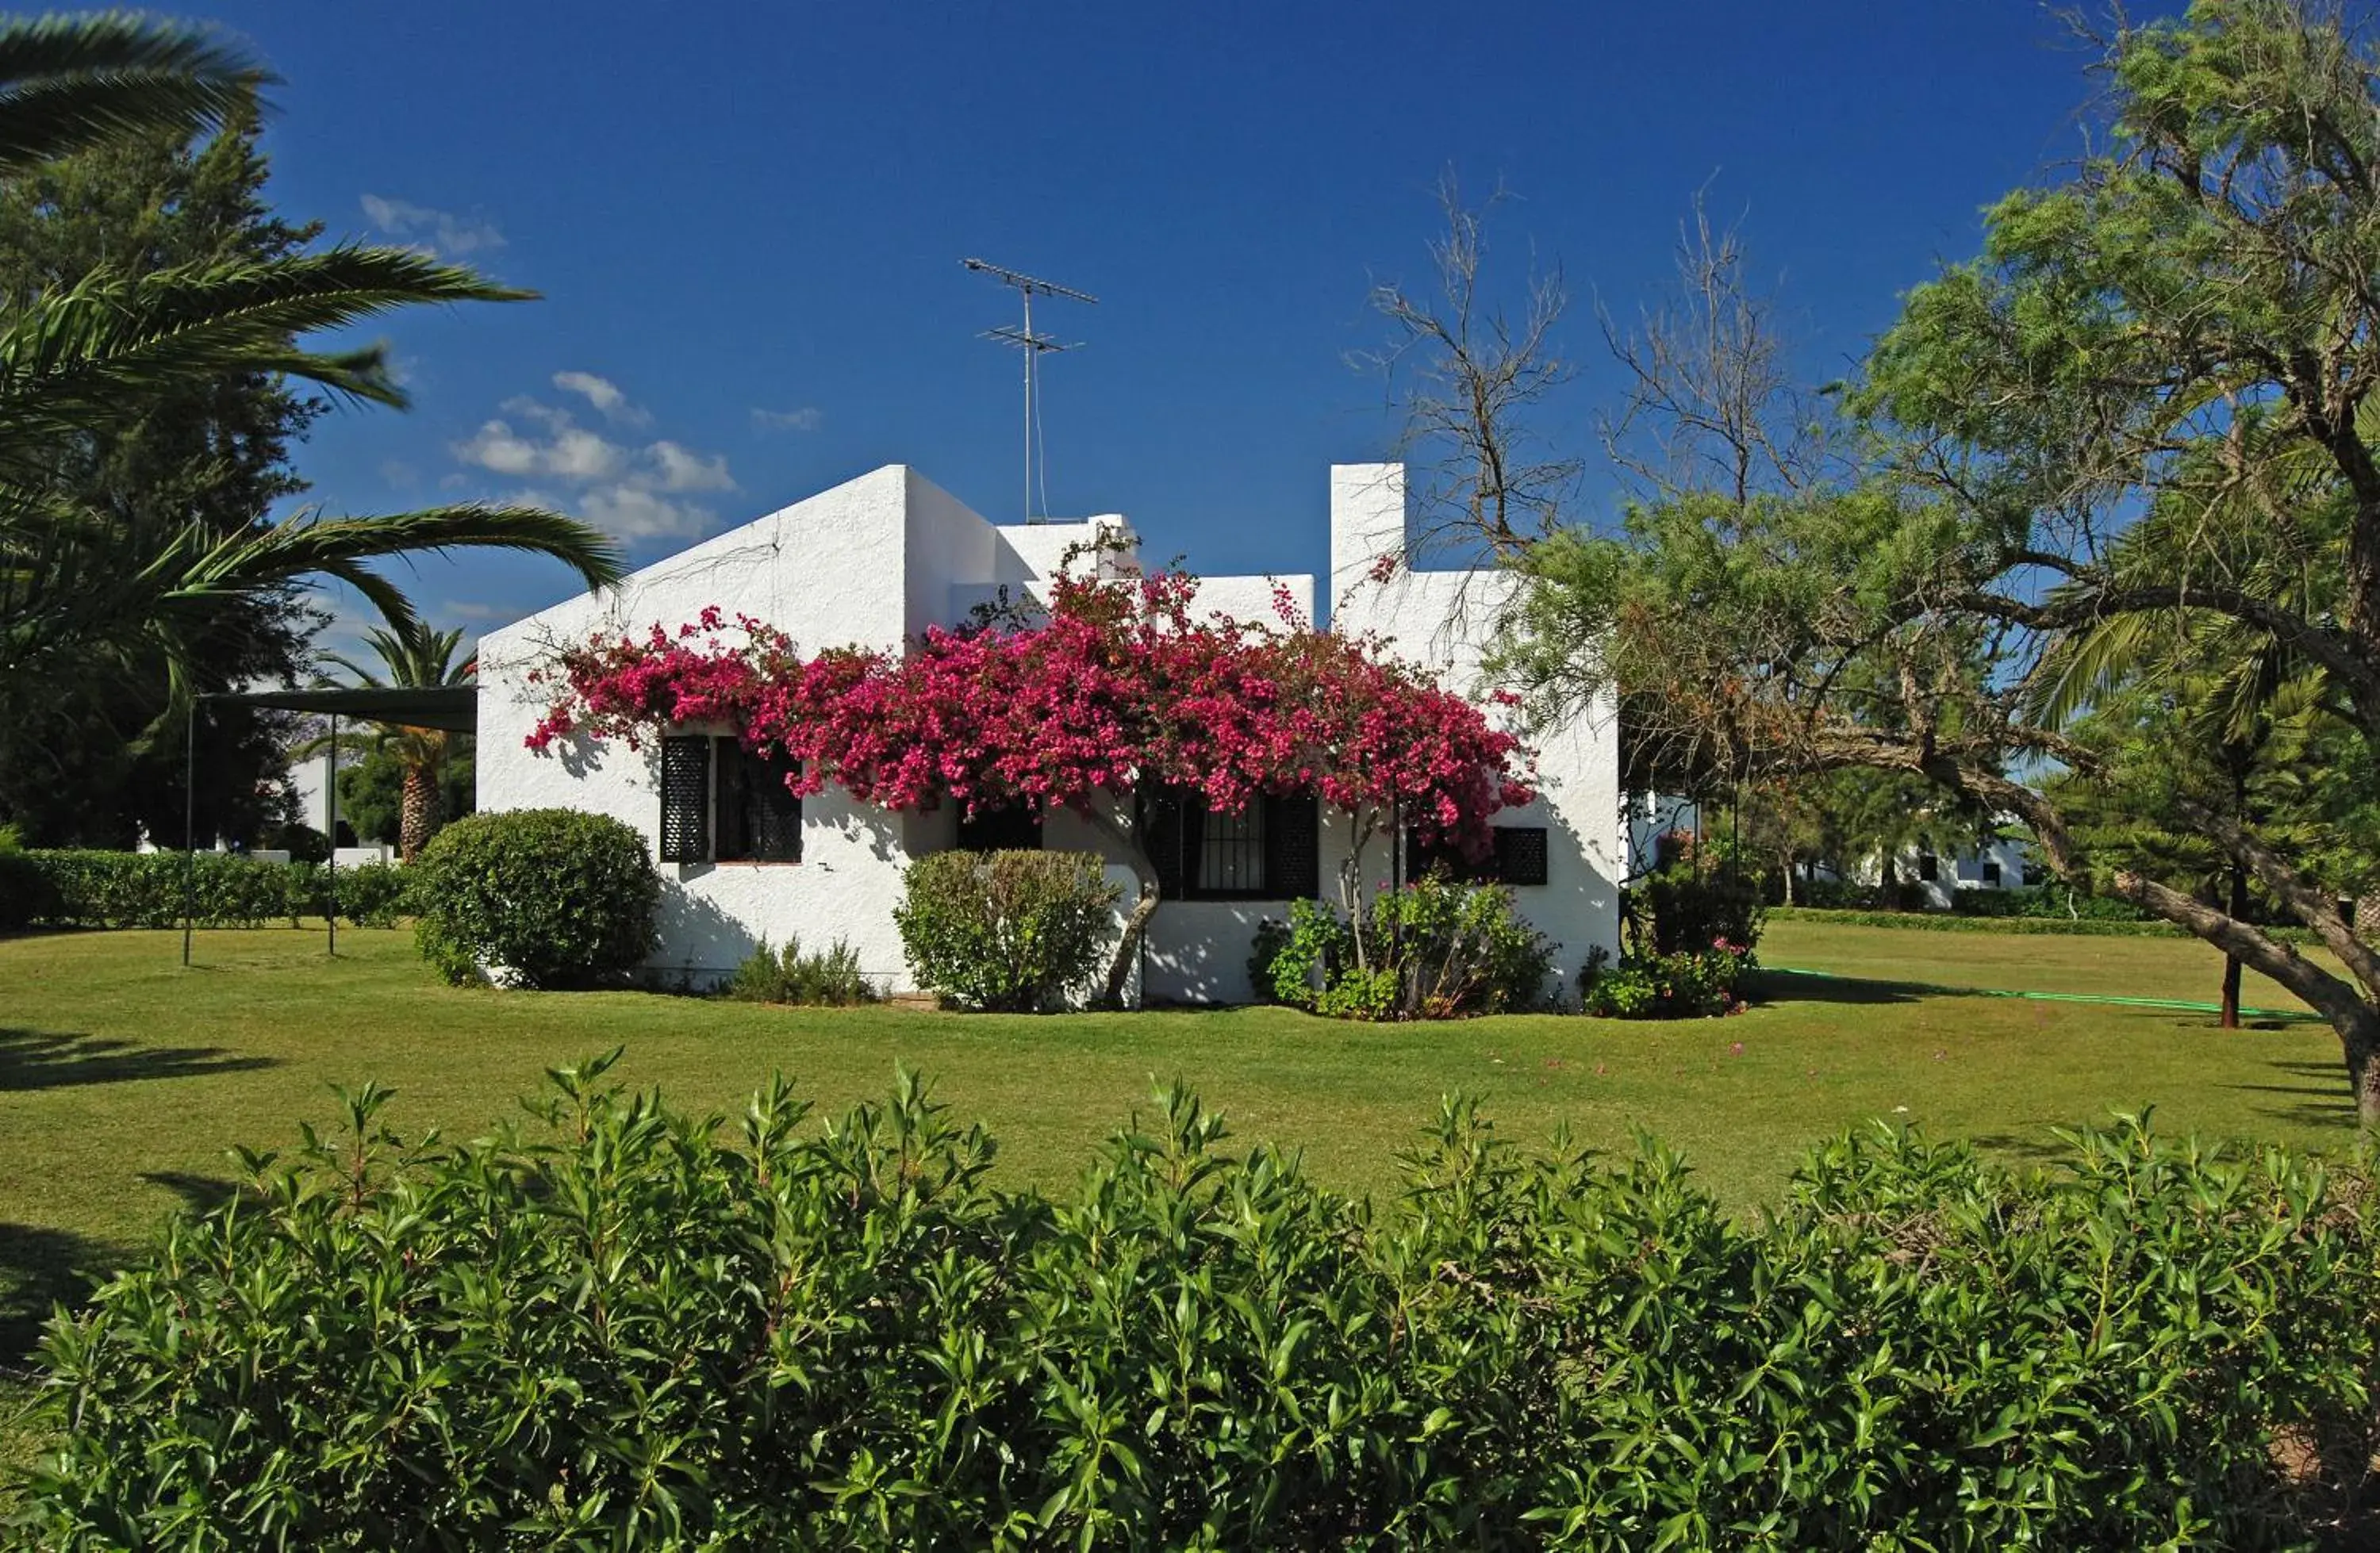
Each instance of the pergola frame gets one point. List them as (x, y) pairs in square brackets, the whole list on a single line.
[(454, 707)]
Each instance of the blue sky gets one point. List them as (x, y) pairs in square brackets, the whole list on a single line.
[(747, 222)]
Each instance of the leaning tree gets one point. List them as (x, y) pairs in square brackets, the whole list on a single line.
[(2150, 403), (1120, 689)]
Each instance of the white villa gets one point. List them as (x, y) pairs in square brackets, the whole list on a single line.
[(875, 561)]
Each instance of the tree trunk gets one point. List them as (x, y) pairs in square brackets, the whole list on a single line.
[(1125, 835), (2231, 962), (2363, 1043), (418, 811), (1120, 967)]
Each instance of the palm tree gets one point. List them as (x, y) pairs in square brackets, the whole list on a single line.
[(84, 592), (67, 83), (412, 656)]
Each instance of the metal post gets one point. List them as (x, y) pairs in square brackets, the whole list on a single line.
[(189, 823), (1030, 354), (331, 869)]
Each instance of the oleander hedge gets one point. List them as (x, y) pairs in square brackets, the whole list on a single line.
[(637, 1329)]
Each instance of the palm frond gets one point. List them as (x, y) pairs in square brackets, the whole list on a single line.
[(309, 544), (69, 82), (98, 354)]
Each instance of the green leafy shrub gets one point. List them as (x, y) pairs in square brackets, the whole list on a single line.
[(96, 889), (1950, 922), (787, 976), (1693, 985), (552, 898), (1013, 932), (26, 894), (2053, 903), (369, 894), (1695, 898), (638, 1329), (1432, 950), (302, 842)]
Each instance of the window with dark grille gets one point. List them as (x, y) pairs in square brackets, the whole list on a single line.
[(1012, 828), (1270, 850), (1520, 856), (1232, 852), (1992, 874), (686, 799), (722, 803), (759, 819)]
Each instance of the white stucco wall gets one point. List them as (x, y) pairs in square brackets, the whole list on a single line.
[(829, 570), (1447, 621), (879, 558)]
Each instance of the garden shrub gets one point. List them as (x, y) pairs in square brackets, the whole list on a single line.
[(90, 888), (1695, 899), (1692, 984), (2053, 903), (369, 894), (551, 898), (1433, 950), (1952, 922), (787, 976), (26, 894), (636, 1328), (1019, 932)]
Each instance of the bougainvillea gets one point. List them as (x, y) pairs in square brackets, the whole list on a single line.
[(1120, 682)]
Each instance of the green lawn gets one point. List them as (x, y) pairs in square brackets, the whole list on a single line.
[(124, 1078)]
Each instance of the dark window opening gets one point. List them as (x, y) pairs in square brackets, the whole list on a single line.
[(1992, 875), (1012, 829), (1271, 850), (1521, 857), (1929, 867), (723, 803)]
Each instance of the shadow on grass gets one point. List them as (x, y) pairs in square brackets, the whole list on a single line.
[(51, 1060), (2036, 1148), (200, 1195), (2323, 1099), (1787, 986), (40, 1269)]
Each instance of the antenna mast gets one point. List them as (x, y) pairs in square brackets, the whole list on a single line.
[(1032, 346)]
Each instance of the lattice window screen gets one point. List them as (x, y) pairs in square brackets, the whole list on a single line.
[(686, 799)]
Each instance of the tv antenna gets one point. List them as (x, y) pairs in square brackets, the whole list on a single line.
[(1034, 345)]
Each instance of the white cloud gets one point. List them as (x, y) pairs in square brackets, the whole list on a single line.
[(627, 491), (629, 511), (605, 395), (464, 609), (682, 468), (570, 452), (400, 474), (441, 232), (808, 418)]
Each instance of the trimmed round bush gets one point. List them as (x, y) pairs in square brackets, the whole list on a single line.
[(1019, 932), (544, 898)]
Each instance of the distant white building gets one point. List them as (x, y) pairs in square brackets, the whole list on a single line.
[(875, 561)]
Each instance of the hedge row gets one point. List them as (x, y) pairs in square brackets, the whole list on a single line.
[(1945, 922), (634, 1330), (91, 889)]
